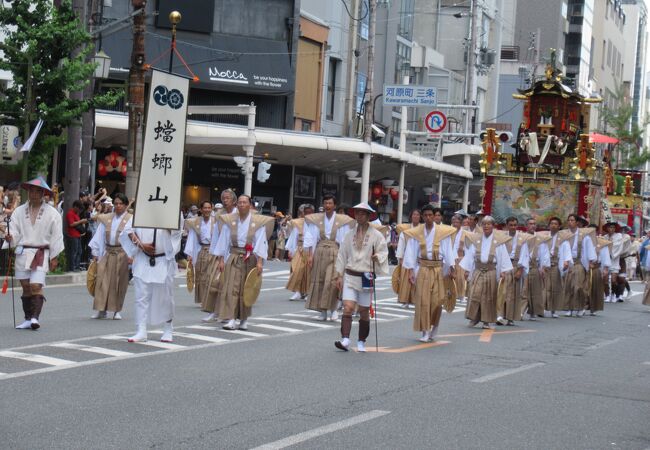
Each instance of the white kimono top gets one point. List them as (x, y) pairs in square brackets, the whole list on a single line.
[(445, 252), (503, 263), (98, 243), (46, 231), (194, 242), (260, 244), (569, 250), (311, 233), (349, 257)]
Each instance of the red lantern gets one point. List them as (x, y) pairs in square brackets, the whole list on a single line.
[(101, 169), (376, 191), (114, 154), (114, 164), (394, 194)]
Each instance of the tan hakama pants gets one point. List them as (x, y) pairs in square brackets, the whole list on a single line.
[(461, 283), (597, 292), (323, 293), (509, 307), (534, 287), (646, 294), (482, 295), (231, 298), (206, 276), (112, 280), (575, 288), (406, 294), (300, 273), (553, 288), (430, 293)]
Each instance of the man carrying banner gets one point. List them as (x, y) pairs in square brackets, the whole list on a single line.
[(112, 262), (201, 231), (36, 234), (154, 265), (242, 247), (325, 232), (362, 256), (429, 258), (300, 271), (486, 263)]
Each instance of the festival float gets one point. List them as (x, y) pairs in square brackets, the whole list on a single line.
[(554, 170)]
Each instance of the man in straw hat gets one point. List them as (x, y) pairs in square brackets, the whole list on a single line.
[(362, 251), (112, 262), (325, 232), (405, 289), (577, 256), (201, 232), (154, 266), (486, 263), (242, 247), (36, 233), (300, 272), (429, 257)]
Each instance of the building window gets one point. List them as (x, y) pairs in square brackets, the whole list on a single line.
[(365, 21), (609, 53), (406, 13), (603, 54), (402, 62), (306, 125), (331, 88)]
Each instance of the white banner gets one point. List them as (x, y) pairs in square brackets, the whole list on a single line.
[(158, 199)]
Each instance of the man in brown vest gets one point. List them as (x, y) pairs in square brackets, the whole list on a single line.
[(324, 235), (553, 279), (242, 247), (112, 261), (201, 232), (509, 306), (300, 271)]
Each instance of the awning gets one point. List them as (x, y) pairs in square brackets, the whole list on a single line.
[(224, 62), (602, 138), (206, 139)]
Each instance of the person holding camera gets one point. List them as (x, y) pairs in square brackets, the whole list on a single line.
[(76, 227)]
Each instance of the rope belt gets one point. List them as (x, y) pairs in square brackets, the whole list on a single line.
[(353, 273), (485, 267), (430, 262)]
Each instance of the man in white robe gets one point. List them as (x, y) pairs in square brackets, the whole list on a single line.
[(154, 266), (300, 276), (36, 234)]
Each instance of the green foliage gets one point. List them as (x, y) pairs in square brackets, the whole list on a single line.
[(54, 43), (629, 133)]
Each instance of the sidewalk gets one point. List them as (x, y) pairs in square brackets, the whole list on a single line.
[(65, 278)]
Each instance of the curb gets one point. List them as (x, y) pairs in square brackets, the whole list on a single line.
[(66, 278)]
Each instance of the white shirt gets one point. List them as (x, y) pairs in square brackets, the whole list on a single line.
[(311, 233), (569, 250), (97, 244), (503, 263), (260, 244), (412, 253)]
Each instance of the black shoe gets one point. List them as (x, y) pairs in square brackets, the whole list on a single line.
[(340, 346)]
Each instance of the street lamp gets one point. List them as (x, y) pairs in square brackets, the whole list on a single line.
[(103, 62)]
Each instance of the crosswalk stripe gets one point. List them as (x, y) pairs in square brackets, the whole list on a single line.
[(36, 358), (277, 272), (90, 349), (305, 314), (272, 289), (276, 328), (309, 324), (244, 333), (199, 337), (381, 312), (148, 343), (201, 327), (398, 310)]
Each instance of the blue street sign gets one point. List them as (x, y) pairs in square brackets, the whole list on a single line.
[(407, 95)]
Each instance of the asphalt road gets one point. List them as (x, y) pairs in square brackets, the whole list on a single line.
[(575, 383)]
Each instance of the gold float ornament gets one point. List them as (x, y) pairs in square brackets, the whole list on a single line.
[(490, 156), (583, 166), (629, 186)]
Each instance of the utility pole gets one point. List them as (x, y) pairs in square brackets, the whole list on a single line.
[(73, 146), (493, 88), (368, 100), (136, 100), (470, 93)]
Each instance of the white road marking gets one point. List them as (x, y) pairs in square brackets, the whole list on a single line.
[(410, 311), (182, 285), (647, 363), (309, 324), (90, 349), (505, 373), (243, 333), (604, 343), (201, 327), (272, 289), (148, 343), (275, 327), (277, 272), (305, 314), (36, 358), (381, 312), (320, 431), (198, 337)]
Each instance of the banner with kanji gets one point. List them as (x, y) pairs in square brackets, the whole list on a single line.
[(158, 198)]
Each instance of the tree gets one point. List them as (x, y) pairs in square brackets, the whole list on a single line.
[(629, 133), (39, 45)]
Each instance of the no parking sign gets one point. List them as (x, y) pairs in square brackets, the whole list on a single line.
[(435, 121)]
